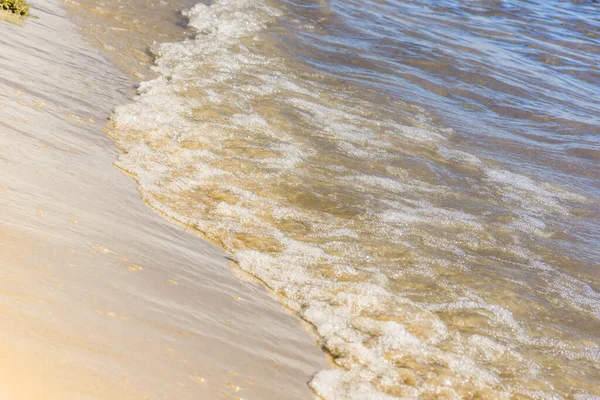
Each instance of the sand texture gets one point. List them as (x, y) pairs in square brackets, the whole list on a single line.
[(100, 298)]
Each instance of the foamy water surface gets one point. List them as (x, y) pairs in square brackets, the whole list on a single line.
[(418, 180)]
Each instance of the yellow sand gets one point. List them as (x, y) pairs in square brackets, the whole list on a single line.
[(100, 298)]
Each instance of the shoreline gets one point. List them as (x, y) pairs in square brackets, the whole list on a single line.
[(111, 299)]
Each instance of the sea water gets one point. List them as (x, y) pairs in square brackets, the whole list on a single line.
[(419, 180)]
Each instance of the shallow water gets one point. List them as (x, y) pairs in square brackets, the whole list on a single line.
[(418, 180)]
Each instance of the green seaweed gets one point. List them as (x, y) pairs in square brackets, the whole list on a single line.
[(18, 7)]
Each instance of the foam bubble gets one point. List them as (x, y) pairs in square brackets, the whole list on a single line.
[(410, 274)]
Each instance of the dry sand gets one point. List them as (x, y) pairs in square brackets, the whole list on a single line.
[(100, 298)]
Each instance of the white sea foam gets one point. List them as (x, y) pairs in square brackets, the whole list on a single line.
[(409, 277)]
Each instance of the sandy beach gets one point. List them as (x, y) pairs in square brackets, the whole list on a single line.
[(296, 199), (100, 297)]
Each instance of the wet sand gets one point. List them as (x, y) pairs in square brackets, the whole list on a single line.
[(101, 298)]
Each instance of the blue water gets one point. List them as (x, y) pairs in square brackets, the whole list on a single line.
[(419, 180)]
